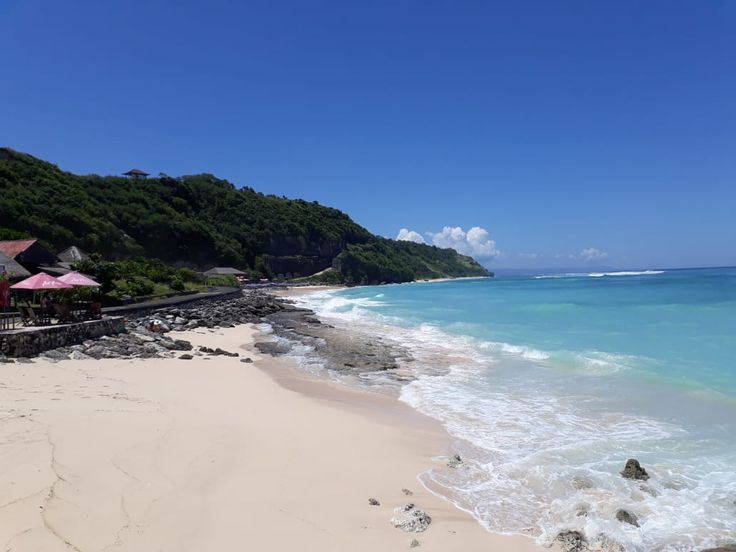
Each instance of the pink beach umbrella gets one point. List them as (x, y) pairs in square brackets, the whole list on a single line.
[(41, 282), (77, 279)]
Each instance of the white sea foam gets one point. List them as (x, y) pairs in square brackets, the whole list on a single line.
[(600, 274), (543, 456)]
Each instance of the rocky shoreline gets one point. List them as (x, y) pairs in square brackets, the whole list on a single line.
[(148, 336)]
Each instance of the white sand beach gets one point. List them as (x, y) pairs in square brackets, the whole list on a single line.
[(213, 454)]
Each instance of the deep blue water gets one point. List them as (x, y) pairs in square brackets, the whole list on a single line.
[(550, 382)]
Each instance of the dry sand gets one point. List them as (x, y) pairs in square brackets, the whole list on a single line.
[(212, 455)]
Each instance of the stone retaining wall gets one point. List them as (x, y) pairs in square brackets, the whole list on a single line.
[(31, 342), (187, 301)]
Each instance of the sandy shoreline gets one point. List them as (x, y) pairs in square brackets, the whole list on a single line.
[(213, 454)]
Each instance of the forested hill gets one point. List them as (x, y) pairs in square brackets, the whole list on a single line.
[(200, 221)]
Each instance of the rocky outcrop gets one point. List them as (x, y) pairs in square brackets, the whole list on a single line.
[(338, 349), (633, 470), (411, 519)]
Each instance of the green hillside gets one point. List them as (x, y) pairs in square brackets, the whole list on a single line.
[(200, 221)]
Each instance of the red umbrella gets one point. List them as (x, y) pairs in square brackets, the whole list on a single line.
[(41, 281), (77, 279)]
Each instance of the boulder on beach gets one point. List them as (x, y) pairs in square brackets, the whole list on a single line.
[(409, 518), (625, 516), (373, 502), (633, 470)]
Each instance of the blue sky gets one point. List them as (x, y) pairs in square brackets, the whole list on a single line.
[(570, 133)]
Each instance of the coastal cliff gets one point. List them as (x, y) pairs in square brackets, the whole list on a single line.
[(199, 221)]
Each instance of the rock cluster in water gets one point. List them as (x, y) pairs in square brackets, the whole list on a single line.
[(633, 470), (337, 349)]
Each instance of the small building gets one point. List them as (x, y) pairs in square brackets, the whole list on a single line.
[(73, 255), (12, 268), (241, 276), (224, 271), (28, 253), (136, 174)]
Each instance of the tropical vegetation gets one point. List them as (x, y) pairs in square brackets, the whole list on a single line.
[(196, 222)]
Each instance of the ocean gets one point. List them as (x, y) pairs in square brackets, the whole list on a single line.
[(548, 383)]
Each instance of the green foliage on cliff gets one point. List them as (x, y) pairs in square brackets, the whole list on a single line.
[(390, 261), (200, 221)]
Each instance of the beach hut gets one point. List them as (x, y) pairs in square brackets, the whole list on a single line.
[(136, 174), (28, 253), (226, 271)]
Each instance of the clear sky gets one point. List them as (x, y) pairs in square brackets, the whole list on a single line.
[(570, 132)]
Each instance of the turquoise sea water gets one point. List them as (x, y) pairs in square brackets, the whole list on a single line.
[(549, 382)]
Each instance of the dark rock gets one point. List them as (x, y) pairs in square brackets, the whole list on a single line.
[(186, 356), (627, 517), (247, 360), (373, 502), (7, 361), (273, 348), (54, 354), (571, 541), (221, 352), (407, 492), (182, 345), (455, 461), (633, 470), (414, 543)]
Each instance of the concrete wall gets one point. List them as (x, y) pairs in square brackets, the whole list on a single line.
[(31, 342)]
